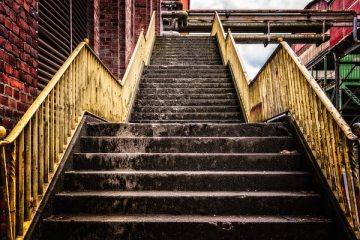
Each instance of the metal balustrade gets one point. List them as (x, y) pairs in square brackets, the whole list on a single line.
[(32, 151), (285, 85)]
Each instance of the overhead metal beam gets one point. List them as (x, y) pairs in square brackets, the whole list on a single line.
[(278, 15), (260, 27), (274, 38)]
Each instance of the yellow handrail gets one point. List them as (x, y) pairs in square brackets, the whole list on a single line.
[(285, 85), (34, 148)]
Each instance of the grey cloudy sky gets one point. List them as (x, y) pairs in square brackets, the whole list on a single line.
[(254, 56)]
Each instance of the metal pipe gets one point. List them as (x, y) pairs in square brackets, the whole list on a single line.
[(181, 16), (355, 30), (259, 27), (337, 82), (274, 38)]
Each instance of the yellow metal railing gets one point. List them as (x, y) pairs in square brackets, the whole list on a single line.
[(285, 85), (32, 151)]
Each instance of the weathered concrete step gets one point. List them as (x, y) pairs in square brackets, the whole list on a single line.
[(188, 203), (198, 40), (187, 102), (186, 116), (187, 68), (192, 61), (186, 181), (189, 109), (186, 144), (188, 161), (189, 85), (185, 63), (204, 47), (187, 96), (190, 75), (188, 121), (181, 70), (187, 45), (213, 78), (187, 130), (183, 59), (165, 55), (186, 90), (190, 71), (169, 227)]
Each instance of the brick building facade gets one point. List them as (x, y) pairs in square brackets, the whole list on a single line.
[(113, 27)]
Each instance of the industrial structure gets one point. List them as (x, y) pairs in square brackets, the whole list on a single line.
[(117, 123)]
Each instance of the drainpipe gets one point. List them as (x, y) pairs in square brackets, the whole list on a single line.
[(337, 83), (355, 31)]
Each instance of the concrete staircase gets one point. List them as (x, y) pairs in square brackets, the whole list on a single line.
[(187, 167)]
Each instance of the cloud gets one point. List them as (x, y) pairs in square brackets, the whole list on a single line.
[(254, 55)]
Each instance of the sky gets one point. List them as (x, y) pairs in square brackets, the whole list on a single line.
[(254, 56)]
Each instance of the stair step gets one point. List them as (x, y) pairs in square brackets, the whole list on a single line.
[(187, 96), (187, 102), (188, 59), (182, 109), (169, 227), (186, 90), (185, 116), (226, 77), (180, 203), (187, 68), (186, 63), (188, 130), (187, 144), (187, 161), (188, 121), (184, 85), (186, 181), (150, 70)]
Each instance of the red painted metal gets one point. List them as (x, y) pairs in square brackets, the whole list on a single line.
[(186, 4), (338, 34)]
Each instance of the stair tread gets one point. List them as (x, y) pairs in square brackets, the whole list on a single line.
[(187, 137), (187, 218), (186, 173), (184, 194), (193, 154)]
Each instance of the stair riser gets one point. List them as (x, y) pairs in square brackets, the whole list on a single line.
[(188, 121), (188, 130), (189, 102), (184, 85), (241, 205), (151, 70), (182, 80), (183, 75), (186, 90), (184, 230), (189, 109), (186, 116), (185, 63), (77, 181), (173, 162), (184, 96), (190, 145), (187, 68)]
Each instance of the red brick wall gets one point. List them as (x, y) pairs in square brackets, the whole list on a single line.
[(141, 16), (18, 58), (109, 35), (94, 24)]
